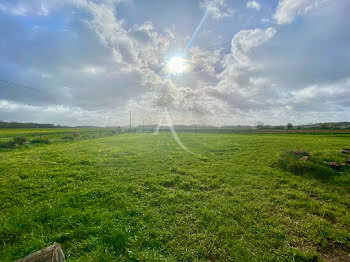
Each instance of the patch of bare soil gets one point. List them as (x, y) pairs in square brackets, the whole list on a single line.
[(332, 253), (314, 196), (335, 254)]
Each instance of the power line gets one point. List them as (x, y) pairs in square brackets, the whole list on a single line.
[(44, 93), (22, 86)]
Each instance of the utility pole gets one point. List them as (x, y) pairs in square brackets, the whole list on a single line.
[(143, 125), (130, 117)]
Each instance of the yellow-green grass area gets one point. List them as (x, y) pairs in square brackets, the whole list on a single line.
[(141, 197), (8, 133), (39, 131), (51, 134)]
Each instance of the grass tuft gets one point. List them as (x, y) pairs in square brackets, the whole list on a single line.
[(20, 140)]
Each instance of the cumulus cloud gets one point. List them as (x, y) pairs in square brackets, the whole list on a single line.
[(100, 60), (253, 5), (190, 93), (254, 89), (246, 40), (217, 8), (287, 10), (240, 87)]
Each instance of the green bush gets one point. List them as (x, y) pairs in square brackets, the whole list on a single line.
[(72, 136), (15, 142), (6, 144), (76, 135), (40, 140), (20, 140)]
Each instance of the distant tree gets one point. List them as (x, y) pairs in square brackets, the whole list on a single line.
[(25, 125), (259, 124), (324, 126), (289, 125)]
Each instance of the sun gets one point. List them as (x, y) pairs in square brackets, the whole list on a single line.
[(177, 65)]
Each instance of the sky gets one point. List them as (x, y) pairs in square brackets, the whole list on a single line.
[(90, 62)]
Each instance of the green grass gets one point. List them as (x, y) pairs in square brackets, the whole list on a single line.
[(13, 138), (130, 197)]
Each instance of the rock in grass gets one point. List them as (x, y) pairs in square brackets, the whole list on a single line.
[(335, 165), (345, 151), (52, 253), (304, 159)]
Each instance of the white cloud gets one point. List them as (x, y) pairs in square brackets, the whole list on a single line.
[(32, 7), (204, 61), (326, 97), (217, 8), (44, 75), (245, 40), (287, 10), (189, 94), (63, 115), (93, 70), (230, 94), (9, 106), (239, 86), (253, 5)]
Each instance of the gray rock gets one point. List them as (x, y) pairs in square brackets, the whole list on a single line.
[(52, 253), (335, 165)]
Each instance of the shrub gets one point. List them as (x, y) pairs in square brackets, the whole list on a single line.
[(40, 140), (76, 135), (15, 142), (20, 140), (72, 136), (6, 144)]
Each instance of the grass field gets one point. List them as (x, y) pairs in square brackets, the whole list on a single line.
[(131, 197)]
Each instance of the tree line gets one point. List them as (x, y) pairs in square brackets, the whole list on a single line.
[(26, 125)]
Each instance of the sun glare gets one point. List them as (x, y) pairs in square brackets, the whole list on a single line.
[(177, 65)]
